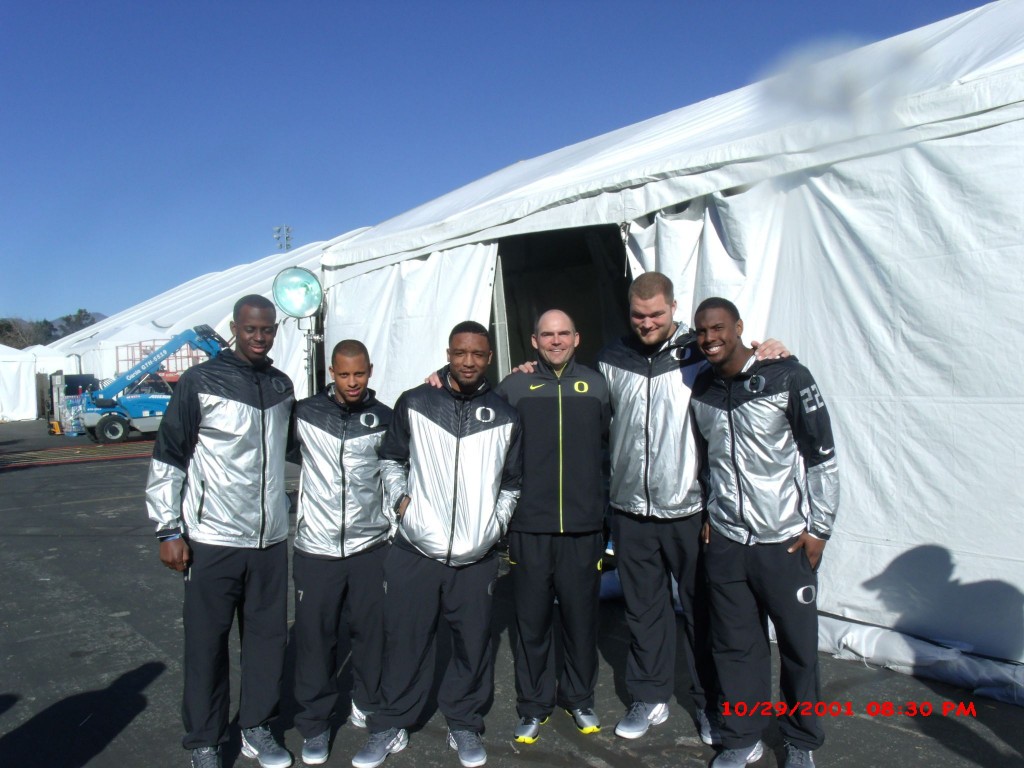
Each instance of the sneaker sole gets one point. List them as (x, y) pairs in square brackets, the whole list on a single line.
[(466, 763), (403, 742), (531, 739), (250, 751), (587, 729), (314, 761)]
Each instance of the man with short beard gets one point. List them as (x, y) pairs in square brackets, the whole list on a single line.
[(656, 495), (451, 459)]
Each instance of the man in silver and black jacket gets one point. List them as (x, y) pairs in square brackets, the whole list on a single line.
[(341, 534), (451, 460), (655, 492), (772, 489), (216, 493)]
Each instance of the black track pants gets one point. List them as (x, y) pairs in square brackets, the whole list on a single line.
[(546, 566), (649, 552), (221, 581), (325, 591), (748, 583), (421, 592)]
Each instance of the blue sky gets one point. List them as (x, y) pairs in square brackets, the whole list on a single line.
[(145, 143)]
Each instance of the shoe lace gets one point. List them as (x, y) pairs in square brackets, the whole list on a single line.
[(260, 737), (467, 739), (796, 757), (638, 709), (380, 738)]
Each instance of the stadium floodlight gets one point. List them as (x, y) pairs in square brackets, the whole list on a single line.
[(298, 292)]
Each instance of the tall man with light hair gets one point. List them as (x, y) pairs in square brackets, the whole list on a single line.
[(656, 494)]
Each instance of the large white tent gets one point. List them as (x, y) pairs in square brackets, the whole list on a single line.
[(864, 209)]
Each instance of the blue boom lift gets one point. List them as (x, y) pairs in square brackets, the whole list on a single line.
[(138, 398)]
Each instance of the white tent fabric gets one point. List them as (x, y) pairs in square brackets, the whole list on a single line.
[(878, 238), (17, 385), (415, 303), (208, 300)]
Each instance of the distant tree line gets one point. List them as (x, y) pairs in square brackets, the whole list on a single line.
[(18, 333)]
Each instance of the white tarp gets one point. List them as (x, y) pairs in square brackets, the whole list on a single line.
[(17, 385), (404, 312), (878, 237)]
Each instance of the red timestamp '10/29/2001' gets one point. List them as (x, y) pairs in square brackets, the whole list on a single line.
[(847, 709)]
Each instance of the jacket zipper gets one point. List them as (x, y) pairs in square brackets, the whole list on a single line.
[(732, 457), (459, 407), (344, 483), (263, 462), (647, 437), (561, 504)]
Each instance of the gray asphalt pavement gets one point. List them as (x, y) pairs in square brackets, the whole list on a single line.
[(90, 645)]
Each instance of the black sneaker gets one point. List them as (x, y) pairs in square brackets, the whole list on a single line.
[(260, 744), (206, 757)]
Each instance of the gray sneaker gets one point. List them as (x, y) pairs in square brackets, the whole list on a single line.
[(469, 746), (206, 757), (378, 746), (640, 717), (798, 758), (738, 758), (316, 750), (260, 743), (528, 729), (709, 732), (586, 720)]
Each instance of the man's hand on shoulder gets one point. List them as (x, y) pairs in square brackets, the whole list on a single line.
[(175, 554), (769, 349), (528, 367), (433, 380)]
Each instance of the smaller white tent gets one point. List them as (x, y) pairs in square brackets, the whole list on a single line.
[(17, 384), (205, 300)]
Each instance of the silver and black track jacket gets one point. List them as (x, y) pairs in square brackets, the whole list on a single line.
[(565, 423), (340, 510), (458, 459), (654, 456), (770, 459), (217, 473)]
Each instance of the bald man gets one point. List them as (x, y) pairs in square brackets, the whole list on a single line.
[(556, 536)]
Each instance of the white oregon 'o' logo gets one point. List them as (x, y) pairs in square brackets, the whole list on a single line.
[(369, 420), (485, 414), (806, 595)]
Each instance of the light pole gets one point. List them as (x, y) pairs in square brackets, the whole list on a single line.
[(283, 236)]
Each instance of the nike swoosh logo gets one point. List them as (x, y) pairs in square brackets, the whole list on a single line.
[(829, 452), (535, 386)]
